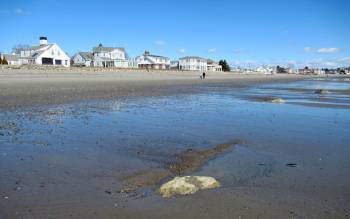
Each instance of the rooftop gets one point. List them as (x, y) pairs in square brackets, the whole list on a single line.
[(101, 48), (193, 57), (86, 55), (33, 48)]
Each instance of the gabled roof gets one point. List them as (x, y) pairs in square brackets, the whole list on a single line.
[(193, 57), (38, 47), (86, 55), (154, 56), (106, 49), (38, 52)]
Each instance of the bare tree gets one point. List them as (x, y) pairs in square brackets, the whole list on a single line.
[(18, 47)]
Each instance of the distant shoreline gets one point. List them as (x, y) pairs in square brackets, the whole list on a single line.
[(20, 88)]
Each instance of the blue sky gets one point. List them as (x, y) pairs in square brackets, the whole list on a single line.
[(249, 32)]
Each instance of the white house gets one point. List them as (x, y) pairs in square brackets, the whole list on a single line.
[(193, 63), (148, 61), (213, 66), (83, 59), (44, 54), (265, 70), (12, 59), (109, 57)]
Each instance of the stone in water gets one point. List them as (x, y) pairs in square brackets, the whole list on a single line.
[(187, 185)]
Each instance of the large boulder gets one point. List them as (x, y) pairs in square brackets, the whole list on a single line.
[(187, 185), (321, 91)]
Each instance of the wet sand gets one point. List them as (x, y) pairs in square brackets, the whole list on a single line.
[(185, 162), (70, 153), (26, 88)]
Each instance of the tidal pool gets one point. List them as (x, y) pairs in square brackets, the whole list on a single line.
[(69, 160)]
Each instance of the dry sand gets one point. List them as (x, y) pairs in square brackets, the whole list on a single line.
[(25, 87)]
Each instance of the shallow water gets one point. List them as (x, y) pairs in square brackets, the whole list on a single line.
[(67, 161), (336, 94)]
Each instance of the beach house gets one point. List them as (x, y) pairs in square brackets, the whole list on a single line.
[(148, 61), (109, 57), (265, 70), (213, 66), (83, 59), (44, 54), (193, 63)]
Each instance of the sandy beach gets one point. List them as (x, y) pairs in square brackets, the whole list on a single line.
[(100, 144), (23, 87)]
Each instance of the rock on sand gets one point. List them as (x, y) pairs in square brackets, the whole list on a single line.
[(321, 91), (277, 100), (187, 185), (271, 99)]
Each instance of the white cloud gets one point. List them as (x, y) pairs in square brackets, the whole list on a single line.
[(330, 64), (345, 59), (322, 50), (212, 50), (159, 43), (181, 51), (18, 11), (328, 50), (308, 49)]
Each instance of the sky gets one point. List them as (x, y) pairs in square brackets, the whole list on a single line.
[(244, 32)]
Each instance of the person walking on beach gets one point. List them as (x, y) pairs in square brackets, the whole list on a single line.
[(203, 75)]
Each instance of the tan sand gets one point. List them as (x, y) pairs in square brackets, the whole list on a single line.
[(25, 87)]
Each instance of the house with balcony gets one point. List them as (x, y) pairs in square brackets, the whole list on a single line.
[(149, 61), (109, 57), (193, 63), (213, 66)]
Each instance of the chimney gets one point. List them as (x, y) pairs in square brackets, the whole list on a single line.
[(43, 40)]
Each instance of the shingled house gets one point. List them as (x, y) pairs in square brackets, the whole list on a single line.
[(148, 61), (109, 57), (83, 59)]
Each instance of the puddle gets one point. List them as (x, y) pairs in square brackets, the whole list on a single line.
[(71, 157)]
